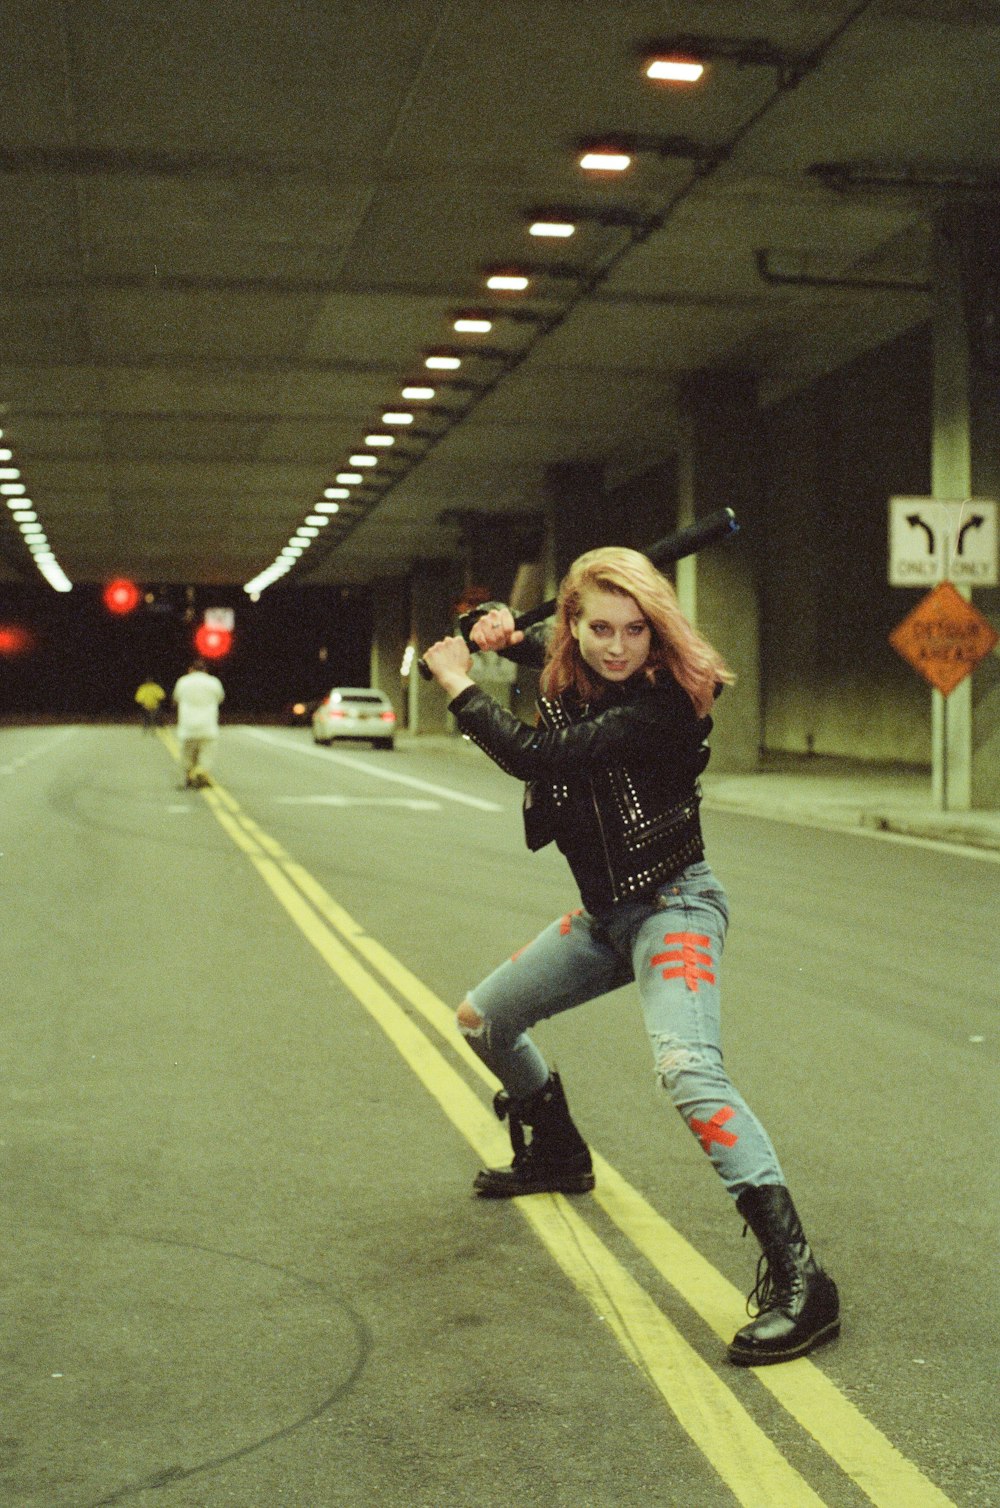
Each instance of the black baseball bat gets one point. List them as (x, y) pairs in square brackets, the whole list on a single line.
[(719, 525)]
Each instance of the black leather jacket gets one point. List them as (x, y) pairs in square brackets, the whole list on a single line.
[(615, 785)]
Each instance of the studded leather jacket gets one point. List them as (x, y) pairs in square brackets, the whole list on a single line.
[(615, 785)]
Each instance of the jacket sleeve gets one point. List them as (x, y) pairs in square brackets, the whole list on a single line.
[(660, 724)]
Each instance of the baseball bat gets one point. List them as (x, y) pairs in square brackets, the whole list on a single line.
[(682, 542)]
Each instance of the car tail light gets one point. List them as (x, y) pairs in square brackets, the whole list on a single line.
[(337, 712), (388, 717)]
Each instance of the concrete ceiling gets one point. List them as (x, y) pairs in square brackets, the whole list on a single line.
[(233, 230)]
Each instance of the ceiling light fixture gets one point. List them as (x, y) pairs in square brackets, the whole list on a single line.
[(336, 492), (559, 229), (363, 460), (349, 478), (472, 325), (329, 507), (418, 394), (443, 363), (507, 282), (316, 520), (614, 154), (674, 70), (377, 440), (395, 418), (683, 59), (605, 160)]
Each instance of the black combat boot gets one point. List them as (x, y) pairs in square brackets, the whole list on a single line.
[(556, 1159), (797, 1304)]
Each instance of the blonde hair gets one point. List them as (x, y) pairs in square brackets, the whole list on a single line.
[(674, 644)]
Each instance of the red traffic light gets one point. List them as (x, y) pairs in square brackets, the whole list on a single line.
[(14, 640), (121, 596), (212, 643)]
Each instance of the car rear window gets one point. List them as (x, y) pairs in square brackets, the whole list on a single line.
[(373, 698)]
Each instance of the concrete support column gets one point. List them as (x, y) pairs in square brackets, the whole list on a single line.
[(577, 514), (434, 590), (390, 637), (964, 464), (718, 588)]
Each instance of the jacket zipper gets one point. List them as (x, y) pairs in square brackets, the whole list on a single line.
[(604, 841)]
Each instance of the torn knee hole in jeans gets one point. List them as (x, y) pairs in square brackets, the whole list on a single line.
[(672, 1059), (470, 1022)]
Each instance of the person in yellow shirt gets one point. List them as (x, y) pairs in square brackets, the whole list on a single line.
[(149, 696)]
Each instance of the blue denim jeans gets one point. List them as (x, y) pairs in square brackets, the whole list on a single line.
[(671, 946)]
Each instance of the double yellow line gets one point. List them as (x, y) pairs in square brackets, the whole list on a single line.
[(746, 1460)]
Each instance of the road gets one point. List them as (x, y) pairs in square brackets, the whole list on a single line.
[(242, 1261)]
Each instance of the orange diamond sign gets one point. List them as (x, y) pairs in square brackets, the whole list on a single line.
[(944, 638)]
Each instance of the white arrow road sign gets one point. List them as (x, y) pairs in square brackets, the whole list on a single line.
[(932, 540)]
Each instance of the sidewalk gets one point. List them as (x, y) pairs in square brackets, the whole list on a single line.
[(845, 793)]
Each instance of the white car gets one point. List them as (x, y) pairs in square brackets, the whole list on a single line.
[(355, 712)]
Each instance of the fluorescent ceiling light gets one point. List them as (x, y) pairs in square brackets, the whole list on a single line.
[(675, 70), (336, 492), (393, 418), (12, 489), (304, 531), (316, 519), (509, 281), (25, 516), (375, 440), (605, 162), (328, 507), (363, 461), (416, 394), (473, 326), (9, 474), (349, 478), (443, 363), (552, 228)]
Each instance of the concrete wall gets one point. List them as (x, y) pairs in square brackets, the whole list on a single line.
[(833, 455)]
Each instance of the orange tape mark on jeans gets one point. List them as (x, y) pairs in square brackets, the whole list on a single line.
[(695, 962), (567, 921), (711, 1131)]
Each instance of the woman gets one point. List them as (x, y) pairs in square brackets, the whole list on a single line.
[(612, 771)]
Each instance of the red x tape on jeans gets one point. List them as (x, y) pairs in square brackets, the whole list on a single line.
[(711, 1131), (695, 963)]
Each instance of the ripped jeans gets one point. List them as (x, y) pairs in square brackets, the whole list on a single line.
[(672, 947)]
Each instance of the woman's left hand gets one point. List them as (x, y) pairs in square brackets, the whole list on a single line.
[(449, 662)]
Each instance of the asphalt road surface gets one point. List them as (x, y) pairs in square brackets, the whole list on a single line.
[(241, 1260)]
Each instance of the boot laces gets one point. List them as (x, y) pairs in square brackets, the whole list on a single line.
[(776, 1286)]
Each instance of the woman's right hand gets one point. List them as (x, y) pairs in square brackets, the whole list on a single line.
[(495, 630)]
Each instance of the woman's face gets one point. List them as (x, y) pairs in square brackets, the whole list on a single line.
[(612, 633)]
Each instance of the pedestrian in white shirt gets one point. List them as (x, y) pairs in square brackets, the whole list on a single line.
[(198, 696)]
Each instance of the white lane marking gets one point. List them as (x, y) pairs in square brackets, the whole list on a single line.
[(413, 803), (53, 743), (372, 769)]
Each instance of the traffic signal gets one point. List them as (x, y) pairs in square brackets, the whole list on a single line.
[(212, 642), (121, 596)]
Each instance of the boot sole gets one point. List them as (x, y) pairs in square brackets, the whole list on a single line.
[(740, 1358), (581, 1185)]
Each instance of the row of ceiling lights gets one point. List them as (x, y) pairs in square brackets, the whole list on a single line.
[(22, 510), (682, 61)]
